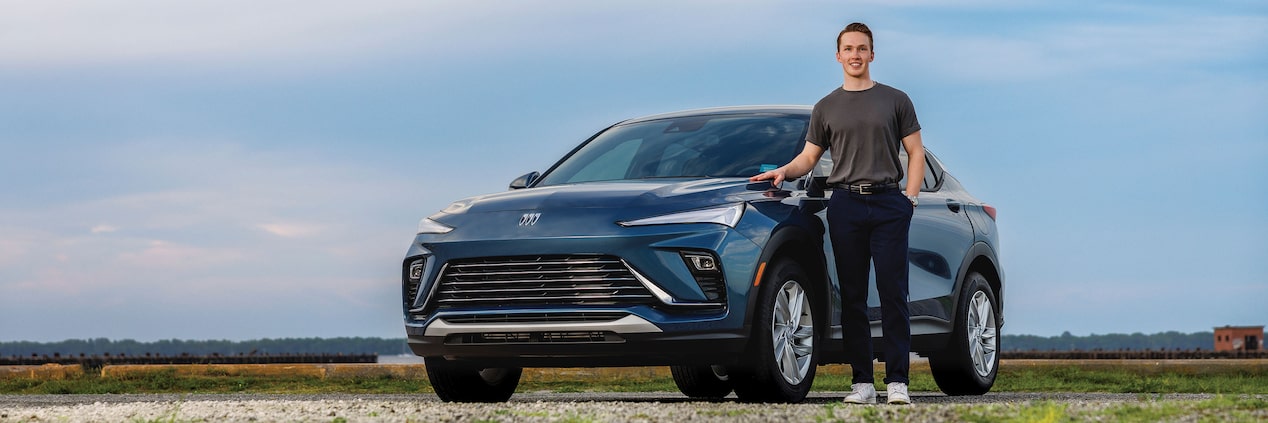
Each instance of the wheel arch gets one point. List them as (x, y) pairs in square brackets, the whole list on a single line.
[(804, 247), (982, 259)]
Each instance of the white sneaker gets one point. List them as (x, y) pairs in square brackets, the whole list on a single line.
[(896, 393), (863, 393)]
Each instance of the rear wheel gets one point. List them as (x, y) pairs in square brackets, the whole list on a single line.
[(781, 366), (970, 362), (702, 382), (463, 382)]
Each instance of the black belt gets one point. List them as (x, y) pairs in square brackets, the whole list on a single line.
[(866, 188)]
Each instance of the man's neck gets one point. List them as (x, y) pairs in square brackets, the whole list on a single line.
[(858, 84)]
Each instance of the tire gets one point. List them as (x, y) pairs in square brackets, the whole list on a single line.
[(970, 362), (462, 382), (781, 363), (702, 382)]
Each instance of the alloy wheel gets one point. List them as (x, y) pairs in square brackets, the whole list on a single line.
[(792, 330), (982, 333)]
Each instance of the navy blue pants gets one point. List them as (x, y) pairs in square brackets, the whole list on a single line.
[(867, 229)]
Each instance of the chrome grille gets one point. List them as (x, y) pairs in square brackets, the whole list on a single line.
[(539, 280)]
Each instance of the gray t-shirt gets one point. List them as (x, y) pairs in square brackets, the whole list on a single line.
[(863, 131)]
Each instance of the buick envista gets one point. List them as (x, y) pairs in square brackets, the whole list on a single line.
[(647, 245)]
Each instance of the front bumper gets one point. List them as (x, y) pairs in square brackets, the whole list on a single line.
[(686, 328), (627, 341)]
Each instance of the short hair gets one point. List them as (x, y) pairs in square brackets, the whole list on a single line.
[(857, 27)]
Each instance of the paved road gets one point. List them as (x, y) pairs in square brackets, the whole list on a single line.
[(523, 407)]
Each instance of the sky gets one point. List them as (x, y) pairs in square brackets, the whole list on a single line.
[(240, 170)]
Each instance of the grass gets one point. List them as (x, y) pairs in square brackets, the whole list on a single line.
[(1076, 379), (1070, 378), (1219, 409), (167, 381)]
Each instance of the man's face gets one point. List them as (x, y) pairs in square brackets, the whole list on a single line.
[(854, 51)]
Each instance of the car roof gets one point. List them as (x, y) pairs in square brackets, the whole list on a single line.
[(733, 110)]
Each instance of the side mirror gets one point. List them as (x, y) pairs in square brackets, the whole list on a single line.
[(525, 181), (816, 185), (816, 182)]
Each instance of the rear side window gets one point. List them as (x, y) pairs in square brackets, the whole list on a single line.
[(932, 175), (933, 172)]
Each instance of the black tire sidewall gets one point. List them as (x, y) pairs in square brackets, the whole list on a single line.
[(763, 381), (953, 368), (461, 382), (700, 382)]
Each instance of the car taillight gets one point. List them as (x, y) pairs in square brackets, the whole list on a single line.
[(990, 210)]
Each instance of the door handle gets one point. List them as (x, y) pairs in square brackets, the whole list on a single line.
[(953, 205)]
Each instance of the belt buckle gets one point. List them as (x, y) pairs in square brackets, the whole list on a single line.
[(865, 189)]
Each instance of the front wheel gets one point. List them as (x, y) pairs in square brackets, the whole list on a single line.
[(702, 382), (782, 363), (462, 382), (970, 362)]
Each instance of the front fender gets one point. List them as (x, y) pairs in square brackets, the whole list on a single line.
[(803, 245)]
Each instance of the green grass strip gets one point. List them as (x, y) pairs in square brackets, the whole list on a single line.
[(1042, 379)]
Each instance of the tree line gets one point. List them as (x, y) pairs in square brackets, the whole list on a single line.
[(1110, 342), (176, 347), (393, 346)]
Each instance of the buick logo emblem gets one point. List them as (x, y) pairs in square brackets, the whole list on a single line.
[(529, 219)]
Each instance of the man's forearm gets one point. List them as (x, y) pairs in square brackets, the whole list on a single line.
[(915, 163), (915, 173), (797, 168)]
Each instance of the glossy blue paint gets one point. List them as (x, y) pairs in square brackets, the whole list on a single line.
[(567, 219)]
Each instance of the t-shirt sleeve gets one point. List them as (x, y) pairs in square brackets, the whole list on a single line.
[(817, 133), (907, 122)]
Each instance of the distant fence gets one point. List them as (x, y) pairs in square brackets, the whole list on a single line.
[(97, 361), (1131, 355)]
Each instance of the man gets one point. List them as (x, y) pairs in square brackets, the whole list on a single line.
[(863, 124)]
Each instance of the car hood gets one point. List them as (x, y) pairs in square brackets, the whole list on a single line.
[(589, 209), (670, 194)]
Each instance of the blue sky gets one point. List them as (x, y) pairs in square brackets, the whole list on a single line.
[(241, 170)]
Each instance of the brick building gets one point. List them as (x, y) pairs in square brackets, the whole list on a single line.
[(1239, 338)]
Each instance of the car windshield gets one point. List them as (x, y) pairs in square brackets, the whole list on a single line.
[(687, 147)]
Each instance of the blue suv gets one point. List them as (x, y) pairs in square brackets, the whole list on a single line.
[(648, 246)]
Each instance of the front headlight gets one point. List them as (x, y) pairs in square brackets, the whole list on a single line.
[(428, 226), (727, 215)]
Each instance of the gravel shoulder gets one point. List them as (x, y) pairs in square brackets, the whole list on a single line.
[(533, 407)]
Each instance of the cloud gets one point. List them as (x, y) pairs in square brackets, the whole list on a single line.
[(79, 33), (12, 249), (103, 229), (290, 230), (162, 255), (147, 31), (219, 236), (188, 188), (1064, 49)]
